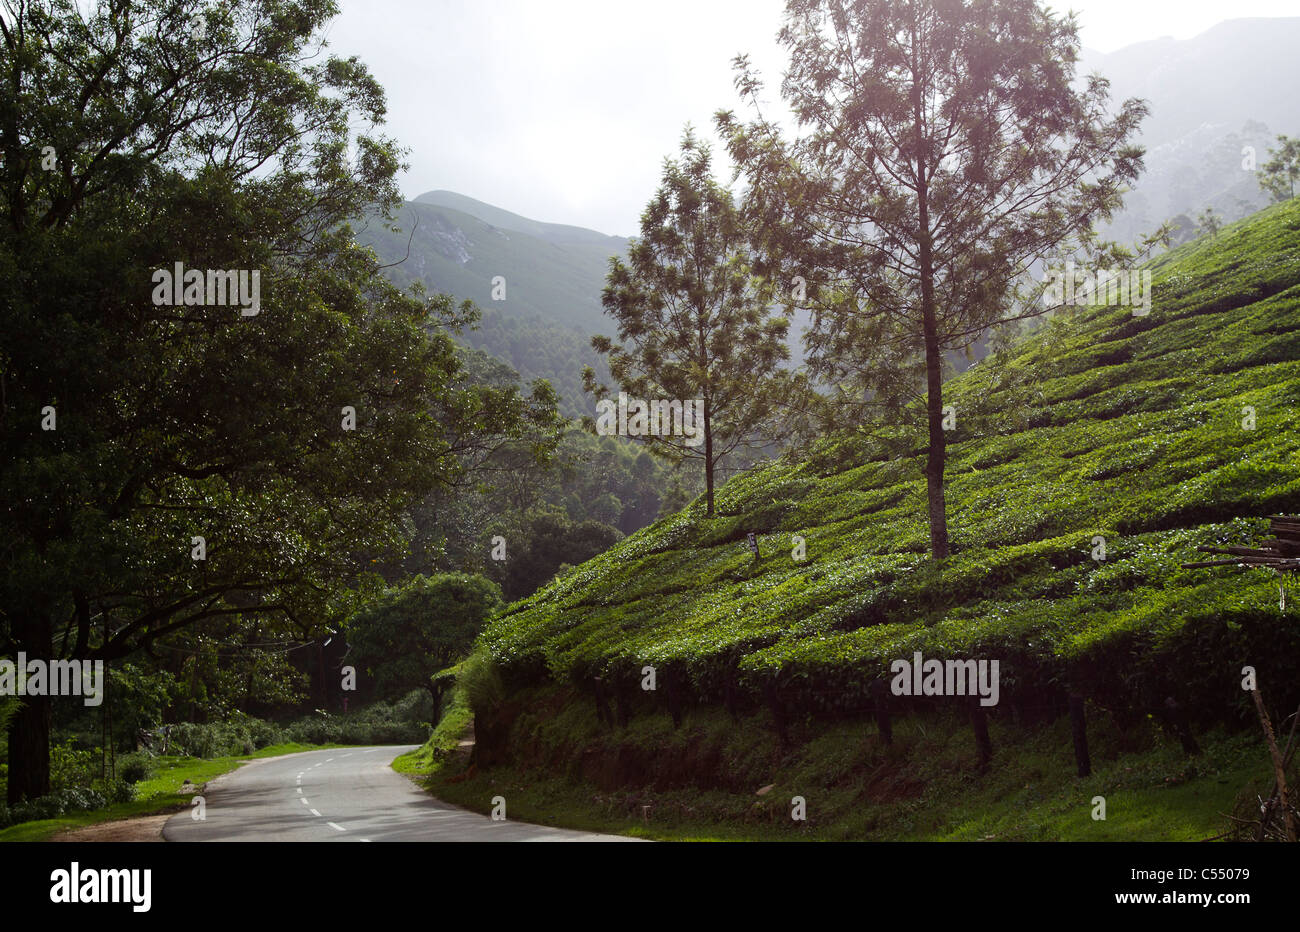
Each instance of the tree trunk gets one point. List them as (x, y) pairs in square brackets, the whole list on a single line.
[(979, 724), (937, 453), (29, 750), (1079, 731), (778, 713), (936, 457), (603, 713), (880, 701), (1176, 716), (29, 729), (708, 460), (435, 691)]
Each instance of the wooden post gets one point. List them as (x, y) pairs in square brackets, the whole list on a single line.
[(1079, 728), (880, 702), (1279, 766), (1177, 717), (979, 724)]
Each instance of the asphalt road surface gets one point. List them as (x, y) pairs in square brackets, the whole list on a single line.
[(343, 794)]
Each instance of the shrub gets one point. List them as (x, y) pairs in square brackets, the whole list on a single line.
[(406, 721), (134, 767), (481, 681)]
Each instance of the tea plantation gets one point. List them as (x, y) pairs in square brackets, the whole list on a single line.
[(1087, 463)]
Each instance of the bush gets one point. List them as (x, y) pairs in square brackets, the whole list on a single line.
[(406, 721), (119, 791), (67, 800), (132, 768), (72, 767), (234, 738), (482, 683)]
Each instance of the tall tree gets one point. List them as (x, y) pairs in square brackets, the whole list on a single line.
[(694, 321), (146, 133), (410, 633), (1280, 173), (941, 151)]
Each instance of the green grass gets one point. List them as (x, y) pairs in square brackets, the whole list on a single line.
[(701, 780), (161, 792), (429, 758)]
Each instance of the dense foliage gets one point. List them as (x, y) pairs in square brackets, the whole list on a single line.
[(163, 464), (418, 628)]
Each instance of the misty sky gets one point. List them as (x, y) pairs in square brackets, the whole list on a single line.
[(563, 110)]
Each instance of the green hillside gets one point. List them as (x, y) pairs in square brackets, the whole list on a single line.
[(1101, 424), (507, 220), (553, 280), (458, 253)]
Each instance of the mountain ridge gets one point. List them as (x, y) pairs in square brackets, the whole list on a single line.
[(509, 220)]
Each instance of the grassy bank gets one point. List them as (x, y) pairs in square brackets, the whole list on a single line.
[(429, 759), (702, 780)]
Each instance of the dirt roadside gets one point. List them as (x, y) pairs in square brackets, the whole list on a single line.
[(141, 828)]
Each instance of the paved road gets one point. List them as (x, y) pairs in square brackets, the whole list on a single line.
[(344, 794)]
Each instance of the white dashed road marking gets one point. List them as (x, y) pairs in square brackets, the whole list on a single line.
[(336, 826), (315, 813)]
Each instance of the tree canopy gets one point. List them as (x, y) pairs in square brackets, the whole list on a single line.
[(695, 324), (417, 629), (941, 152), (167, 463)]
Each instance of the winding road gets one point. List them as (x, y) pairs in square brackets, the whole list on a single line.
[(342, 794)]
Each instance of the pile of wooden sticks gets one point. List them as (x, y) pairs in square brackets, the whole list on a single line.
[(1281, 553), (1277, 817)]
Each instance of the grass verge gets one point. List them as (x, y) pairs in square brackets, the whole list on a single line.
[(702, 781)]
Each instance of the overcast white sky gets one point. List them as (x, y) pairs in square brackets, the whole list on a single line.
[(563, 110)]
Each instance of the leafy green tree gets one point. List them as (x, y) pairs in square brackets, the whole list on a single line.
[(541, 543), (411, 632), (694, 322), (1182, 229), (1209, 221), (940, 151), (1278, 176), (131, 141)]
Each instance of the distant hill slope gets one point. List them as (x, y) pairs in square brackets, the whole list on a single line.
[(1229, 87), (553, 274), (546, 272), (1103, 425), (1235, 70), (505, 220)]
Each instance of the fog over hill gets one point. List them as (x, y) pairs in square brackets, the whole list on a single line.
[(542, 321), (1208, 96), (1232, 86)]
